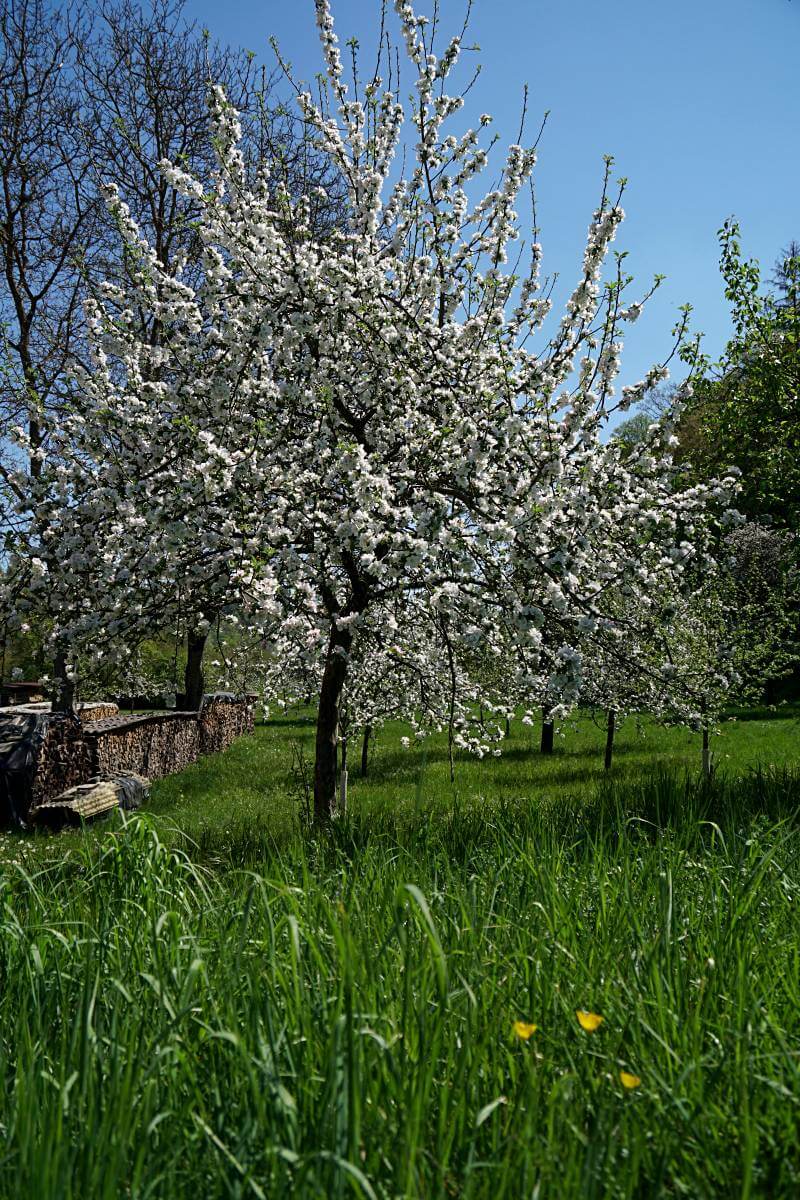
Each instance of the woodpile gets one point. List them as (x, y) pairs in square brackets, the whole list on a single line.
[(88, 801), (64, 758), (96, 710), (87, 710), (158, 744), (43, 755), (223, 718), (152, 744)]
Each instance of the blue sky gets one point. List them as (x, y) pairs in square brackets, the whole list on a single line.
[(698, 101)]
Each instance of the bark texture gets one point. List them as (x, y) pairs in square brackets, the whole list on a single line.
[(365, 751), (194, 680), (611, 725), (330, 698), (548, 733), (706, 754)]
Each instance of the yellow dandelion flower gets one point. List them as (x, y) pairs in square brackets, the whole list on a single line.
[(629, 1081), (588, 1020), (523, 1030)]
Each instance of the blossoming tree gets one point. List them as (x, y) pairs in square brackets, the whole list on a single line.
[(331, 427)]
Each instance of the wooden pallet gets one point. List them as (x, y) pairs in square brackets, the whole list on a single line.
[(89, 801)]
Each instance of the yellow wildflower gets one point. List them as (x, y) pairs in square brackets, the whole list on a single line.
[(588, 1020), (629, 1081), (523, 1030)]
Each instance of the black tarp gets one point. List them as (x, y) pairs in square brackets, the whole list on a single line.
[(22, 735)]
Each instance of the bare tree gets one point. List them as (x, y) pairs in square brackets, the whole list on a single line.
[(99, 93), (47, 207), (658, 400), (144, 76)]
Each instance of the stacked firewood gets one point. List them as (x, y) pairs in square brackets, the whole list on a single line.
[(152, 745), (43, 754), (62, 758), (223, 718), (96, 710)]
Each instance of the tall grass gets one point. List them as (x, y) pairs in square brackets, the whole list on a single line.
[(251, 791), (336, 1019)]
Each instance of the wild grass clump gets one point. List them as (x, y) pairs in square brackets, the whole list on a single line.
[(339, 1019)]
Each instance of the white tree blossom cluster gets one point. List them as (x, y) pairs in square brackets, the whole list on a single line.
[(351, 441)]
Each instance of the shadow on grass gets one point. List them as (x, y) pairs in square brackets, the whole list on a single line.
[(659, 802), (546, 771), (288, 722), (783, 712), (561, 753), (616, 814)]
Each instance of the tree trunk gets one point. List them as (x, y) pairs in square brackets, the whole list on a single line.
[(610, 730), (35, 439), (548, 733), (3, 659), (32, 393), (194, 680), (508, 727), (343, 780), (365, 751), (706, 754), (330, 697), (63, 695)]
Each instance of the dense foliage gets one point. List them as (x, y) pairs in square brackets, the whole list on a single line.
[(747, 413)]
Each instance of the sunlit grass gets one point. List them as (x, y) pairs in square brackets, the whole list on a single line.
[(253, 794), (411, 1007)]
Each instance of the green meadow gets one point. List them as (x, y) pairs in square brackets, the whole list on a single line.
[(208, 1000)]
